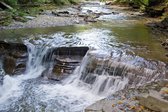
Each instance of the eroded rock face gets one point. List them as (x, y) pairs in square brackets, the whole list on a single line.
[(62, 61), (111, 67), (9, 64), (14, 56), (58, 62)]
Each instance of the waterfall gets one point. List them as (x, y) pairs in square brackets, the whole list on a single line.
[(100, 83), (104, 75), (34, 69), (98, 75), (2, 73)]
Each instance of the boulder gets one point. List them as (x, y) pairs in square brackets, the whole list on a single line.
[(104, 105), (153, 101)]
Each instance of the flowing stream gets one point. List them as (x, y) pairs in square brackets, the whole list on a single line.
[(120, 52)]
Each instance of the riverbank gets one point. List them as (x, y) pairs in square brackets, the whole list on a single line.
[(140, 99), (70, 15)]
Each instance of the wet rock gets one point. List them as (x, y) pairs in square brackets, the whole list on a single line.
[(82, 15), (9, 65), (63, 61), (90, 19), (71, 51), (14, 56), (18, 54), (104, 65), (154, 13), (61, 13), (21, 65), (165, 23), (89, 11), (153, 101)]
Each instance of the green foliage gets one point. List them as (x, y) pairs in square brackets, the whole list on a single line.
[(57, 2), (10, 2), (140, 3)]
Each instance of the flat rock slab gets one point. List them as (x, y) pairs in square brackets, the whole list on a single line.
[(154, 101), (101, 106), (107, 105)]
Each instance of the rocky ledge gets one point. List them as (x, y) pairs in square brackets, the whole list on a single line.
[(152, 97), (58, 61)]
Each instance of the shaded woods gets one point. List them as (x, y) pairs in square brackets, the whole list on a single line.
[(58, 2)]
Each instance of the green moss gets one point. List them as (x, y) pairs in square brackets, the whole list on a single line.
[(5, 18)]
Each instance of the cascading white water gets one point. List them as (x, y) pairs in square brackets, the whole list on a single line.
[(102, 84), (73, 93), (2, 73), (10, 87)]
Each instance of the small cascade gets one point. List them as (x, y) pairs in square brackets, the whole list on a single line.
[(11, 85), (100, 82), (106, 76), (2, 73)]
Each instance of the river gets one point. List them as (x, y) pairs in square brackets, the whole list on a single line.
[(127, 39)]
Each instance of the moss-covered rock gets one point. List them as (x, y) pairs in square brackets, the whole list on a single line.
[(5, 18)]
